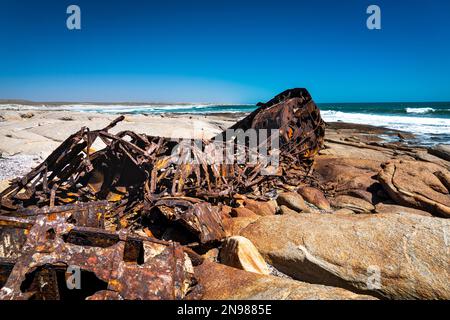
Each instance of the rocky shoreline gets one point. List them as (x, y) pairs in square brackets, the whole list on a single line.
[(369, 225)]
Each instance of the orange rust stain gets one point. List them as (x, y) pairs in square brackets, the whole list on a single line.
[(92, 260), (148, 233)]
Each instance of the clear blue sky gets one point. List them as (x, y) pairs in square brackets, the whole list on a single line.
[(224, 50)]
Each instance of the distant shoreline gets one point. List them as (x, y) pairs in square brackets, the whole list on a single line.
[(27, 137), (430, 122), (165, 103), (103, 103)]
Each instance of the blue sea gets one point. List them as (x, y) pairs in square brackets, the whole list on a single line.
[(430, 122)]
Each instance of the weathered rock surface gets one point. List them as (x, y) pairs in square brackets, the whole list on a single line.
[(27, 115), (261, 208), (392, 208), (315, 197), (344, 211), (411, 252), (286, 210), (234, 284), (345, 140), (340, 149), (4, 184), (233, 226), (421, 185), (211, 255), (424, 155), (225, 211), (240, 253), (441, 150), (242, 212), (293, 201), (349, 176), (355, 204)]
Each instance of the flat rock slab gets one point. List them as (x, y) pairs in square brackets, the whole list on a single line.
[(242, 212), (397, 256), (233, 226), (235, 284), (286, 210), (421, 185), (261, 208), (335, 148), (349, 176), (355, 204), (441, 150), (392, 208)]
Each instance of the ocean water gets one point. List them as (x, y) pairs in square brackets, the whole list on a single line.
[(430, 122)]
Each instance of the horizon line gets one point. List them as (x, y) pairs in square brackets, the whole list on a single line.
[(56, 102)]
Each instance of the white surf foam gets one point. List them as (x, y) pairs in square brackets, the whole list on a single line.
[(419, 110), (117, 108), (105, 108), (418, 125)]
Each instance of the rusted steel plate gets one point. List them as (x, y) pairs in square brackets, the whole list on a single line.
[(201, 219), (132, 267), (89, 214), (295, 114)]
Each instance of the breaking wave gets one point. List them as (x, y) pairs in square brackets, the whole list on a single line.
[(420, 110), (137, 109), (418, 125)]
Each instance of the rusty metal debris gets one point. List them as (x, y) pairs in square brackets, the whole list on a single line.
[(115, 265), (132, 215)]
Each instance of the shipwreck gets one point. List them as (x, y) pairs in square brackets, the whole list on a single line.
[(132, 217)]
